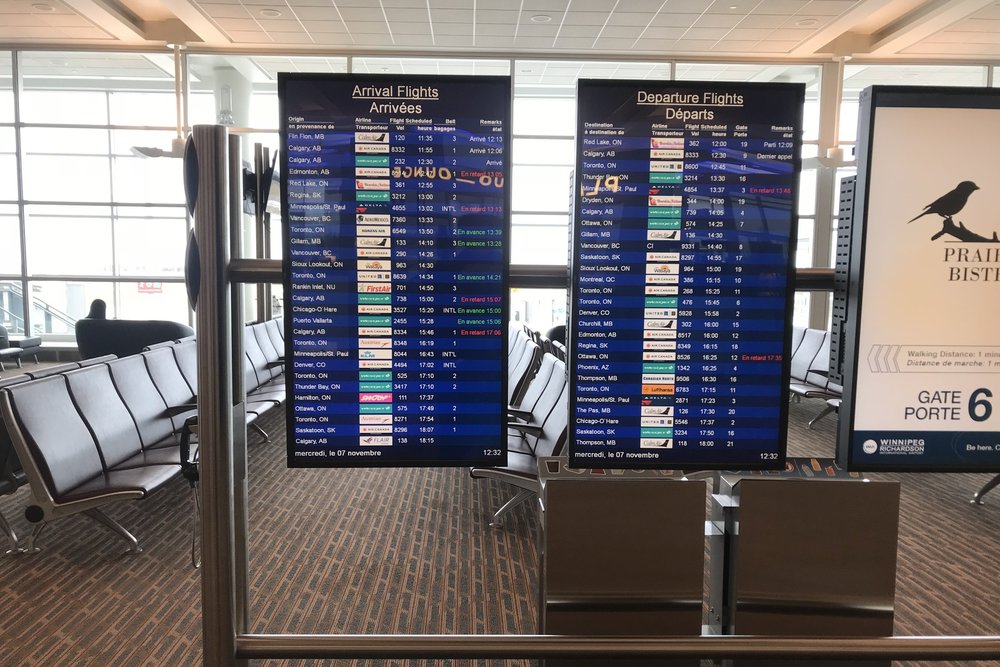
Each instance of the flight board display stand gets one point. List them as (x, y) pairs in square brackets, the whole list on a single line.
[(622, 553), (803, 554)]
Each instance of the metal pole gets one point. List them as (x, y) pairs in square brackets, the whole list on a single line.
[(261, 646), (241, 564), (263, 306), (207, 165)]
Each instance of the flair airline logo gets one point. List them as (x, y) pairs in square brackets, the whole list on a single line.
[(371, 184), (666, 142)]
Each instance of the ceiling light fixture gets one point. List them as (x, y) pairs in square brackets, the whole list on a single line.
[(806, 23), (270, 13), (541, 18), (43, 7)]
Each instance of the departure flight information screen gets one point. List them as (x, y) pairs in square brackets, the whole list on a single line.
[(682, 277), (395, 211)]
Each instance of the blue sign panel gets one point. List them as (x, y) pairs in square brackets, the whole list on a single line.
[(395, 209), (683, 263)]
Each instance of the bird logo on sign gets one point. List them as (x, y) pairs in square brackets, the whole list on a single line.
[(949, 205)]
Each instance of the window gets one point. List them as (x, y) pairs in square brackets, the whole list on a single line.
[(6, 88), (810, 75), (148, 241), (8, 165), (57, 305), (11, 306), (69, 240), (242, 91), (540, 309), (95, 210), (10, 247), (859, 77)]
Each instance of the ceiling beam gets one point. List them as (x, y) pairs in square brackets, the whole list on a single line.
[(111, 18), (923, 23), (197, 22), (839, 26), (771, 72), (161, 61)]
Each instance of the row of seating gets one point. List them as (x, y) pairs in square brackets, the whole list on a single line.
[(810, 369), (118, 429), (538, 414), (538, 399), (547, 341)]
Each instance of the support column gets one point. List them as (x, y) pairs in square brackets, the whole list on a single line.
[(831, 86), (206, 185)]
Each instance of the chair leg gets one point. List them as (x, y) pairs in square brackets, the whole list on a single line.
[(254, 426), (977, 499), (11, 536), (33, 547), (522, 495), (827, 410), (195, 527), (115, 527)]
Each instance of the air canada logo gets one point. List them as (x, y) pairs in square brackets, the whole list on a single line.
[(964, 263)]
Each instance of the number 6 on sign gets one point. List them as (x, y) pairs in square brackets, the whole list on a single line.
[(980, 409)]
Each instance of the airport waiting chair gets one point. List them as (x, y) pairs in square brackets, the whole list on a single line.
[(543, 434), (523, 410), (144, 402), (521, 369), (977, 499), (12, 475), (67, 465)]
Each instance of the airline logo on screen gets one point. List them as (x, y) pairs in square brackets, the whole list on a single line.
[(373, 239)]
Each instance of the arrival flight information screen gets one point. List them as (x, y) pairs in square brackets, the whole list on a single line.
[(395, 211), (683, 269)]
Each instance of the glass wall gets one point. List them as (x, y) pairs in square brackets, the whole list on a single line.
[(82, 213), (100, 219)]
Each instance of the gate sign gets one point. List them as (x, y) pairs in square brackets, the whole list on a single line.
[(922, 362)]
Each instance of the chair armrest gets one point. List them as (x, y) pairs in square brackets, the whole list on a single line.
[(276, 364), (189, 468), (525, 428), (173, 410), (518, 413)]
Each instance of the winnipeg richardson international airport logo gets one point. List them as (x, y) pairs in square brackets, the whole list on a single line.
[(894, 446), (964, 258)]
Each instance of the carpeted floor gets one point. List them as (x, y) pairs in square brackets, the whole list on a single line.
[(400, 551)]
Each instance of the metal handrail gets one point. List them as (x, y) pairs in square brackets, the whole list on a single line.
[(289, 646)]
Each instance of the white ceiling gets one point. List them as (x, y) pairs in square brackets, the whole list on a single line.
[(651, 29)]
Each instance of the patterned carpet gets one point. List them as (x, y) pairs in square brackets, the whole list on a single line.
[(400, 551)]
